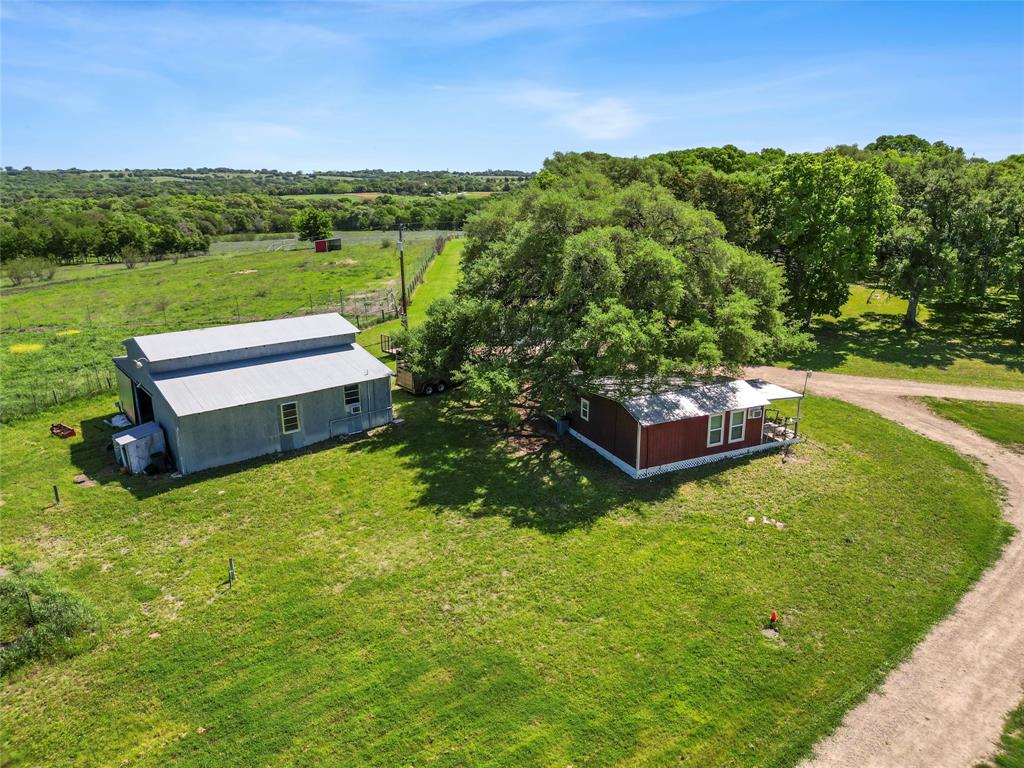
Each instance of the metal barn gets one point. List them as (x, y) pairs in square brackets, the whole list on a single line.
[(233, 392), (682, 428)]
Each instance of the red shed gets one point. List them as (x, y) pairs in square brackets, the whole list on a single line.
[(330, 244), (685, 427)]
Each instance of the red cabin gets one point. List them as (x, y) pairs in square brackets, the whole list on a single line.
[(680, 428)]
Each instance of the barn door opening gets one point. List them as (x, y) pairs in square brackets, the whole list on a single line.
[(144, 405)]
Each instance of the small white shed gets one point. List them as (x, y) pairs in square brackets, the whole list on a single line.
[(134, 448)]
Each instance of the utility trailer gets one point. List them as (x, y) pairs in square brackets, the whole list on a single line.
[(421, 385)]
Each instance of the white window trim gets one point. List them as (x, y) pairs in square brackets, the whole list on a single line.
[(720, 429), (742, 425), (584, 409), (298, 418), (344, 396), (755, 413)]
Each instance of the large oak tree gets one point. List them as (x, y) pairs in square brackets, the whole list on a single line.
[(825, 215), (573, 282)]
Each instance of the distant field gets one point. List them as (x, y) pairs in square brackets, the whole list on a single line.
[(374, 195), (955, 346), (438, 594), (1001, 422), (335, 195), (288, 241), (60, 335)]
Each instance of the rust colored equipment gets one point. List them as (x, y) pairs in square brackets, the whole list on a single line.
[(62, 431)]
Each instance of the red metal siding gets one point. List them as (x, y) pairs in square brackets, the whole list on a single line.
[(688, 439), (610, 426), (320, 246)]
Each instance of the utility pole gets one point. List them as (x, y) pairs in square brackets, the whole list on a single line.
[(401, 262)]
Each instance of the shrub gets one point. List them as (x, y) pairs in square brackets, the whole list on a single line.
[(29, 268), (39, 622), (18, 270), (130, 256), (312, 223)]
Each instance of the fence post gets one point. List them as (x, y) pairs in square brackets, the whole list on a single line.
[(56, 495)]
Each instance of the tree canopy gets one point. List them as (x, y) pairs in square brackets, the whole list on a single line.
[(825, 216), (312, 224), (575, 284)]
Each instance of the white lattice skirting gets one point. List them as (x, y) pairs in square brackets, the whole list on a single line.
[(678, 465)]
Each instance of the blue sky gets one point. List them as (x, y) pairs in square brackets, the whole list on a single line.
[(502, 85)]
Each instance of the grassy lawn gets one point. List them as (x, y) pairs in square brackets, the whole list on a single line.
[(1001, 422), (439, 280), (1011, 746), (955, 346), (59, 334), (437, 594)]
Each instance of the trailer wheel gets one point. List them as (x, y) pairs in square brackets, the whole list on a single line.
[(428, 390), (440, 386)]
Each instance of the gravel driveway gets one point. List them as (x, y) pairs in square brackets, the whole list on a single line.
[(945, 705)]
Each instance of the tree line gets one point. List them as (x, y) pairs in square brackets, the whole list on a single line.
[(26, 183), (129, 228), (921, 216)]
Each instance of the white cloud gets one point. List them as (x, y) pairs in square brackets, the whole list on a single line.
[(605, 118), (488, 21)]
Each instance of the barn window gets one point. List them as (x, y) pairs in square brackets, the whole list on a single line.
[(289, 417), (715, 429), (584, 409), (737, 426), (755, 413), (351, 394)]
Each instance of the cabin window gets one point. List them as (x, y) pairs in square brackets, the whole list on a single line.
[(737, 426), (755, 413), (351, 394), (715, 429), (289, 417), (584, 409)]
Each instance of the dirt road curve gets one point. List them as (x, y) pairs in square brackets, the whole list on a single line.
[(946, 704)]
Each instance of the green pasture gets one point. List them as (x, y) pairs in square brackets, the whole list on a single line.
[(956, 345), (438, 281), (59, 336), (443, 593), (1002, 422)]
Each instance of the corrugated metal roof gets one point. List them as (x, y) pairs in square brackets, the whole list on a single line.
[(212, 388), (177, 344), (773, 391), (699, 400)]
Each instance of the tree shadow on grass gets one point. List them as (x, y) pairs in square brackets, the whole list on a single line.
[(530, 476), (953, 332)]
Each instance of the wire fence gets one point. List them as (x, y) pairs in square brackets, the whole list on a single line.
[(82, 382), (288, 241), (365, 309)]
